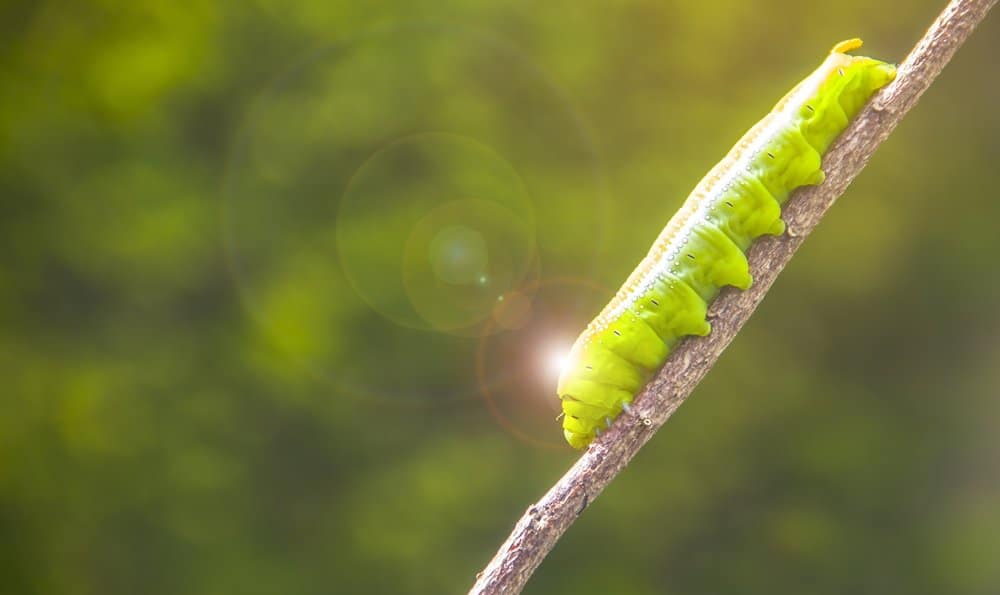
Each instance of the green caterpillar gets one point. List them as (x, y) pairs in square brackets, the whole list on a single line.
[(704, 245)]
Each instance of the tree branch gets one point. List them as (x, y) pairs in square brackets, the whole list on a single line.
[(545, 521)]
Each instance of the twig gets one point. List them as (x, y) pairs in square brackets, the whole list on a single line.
[(545, 521)]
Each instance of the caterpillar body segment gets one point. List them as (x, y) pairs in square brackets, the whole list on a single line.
[(703, 247)]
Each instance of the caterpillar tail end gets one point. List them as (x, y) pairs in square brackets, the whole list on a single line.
[(887, 73), (847, 45)]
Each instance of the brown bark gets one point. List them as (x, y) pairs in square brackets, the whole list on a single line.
[(546, 520)]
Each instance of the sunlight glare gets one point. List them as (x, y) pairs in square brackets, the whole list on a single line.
[(558, 359)]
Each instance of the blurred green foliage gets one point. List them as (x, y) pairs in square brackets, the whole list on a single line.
[(280, 282)]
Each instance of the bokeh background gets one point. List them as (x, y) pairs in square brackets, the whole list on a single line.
[(282, 283)]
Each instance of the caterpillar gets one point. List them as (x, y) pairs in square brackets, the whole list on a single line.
[(703, 246)]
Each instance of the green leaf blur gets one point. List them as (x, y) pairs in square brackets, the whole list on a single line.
[(281, 285)]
